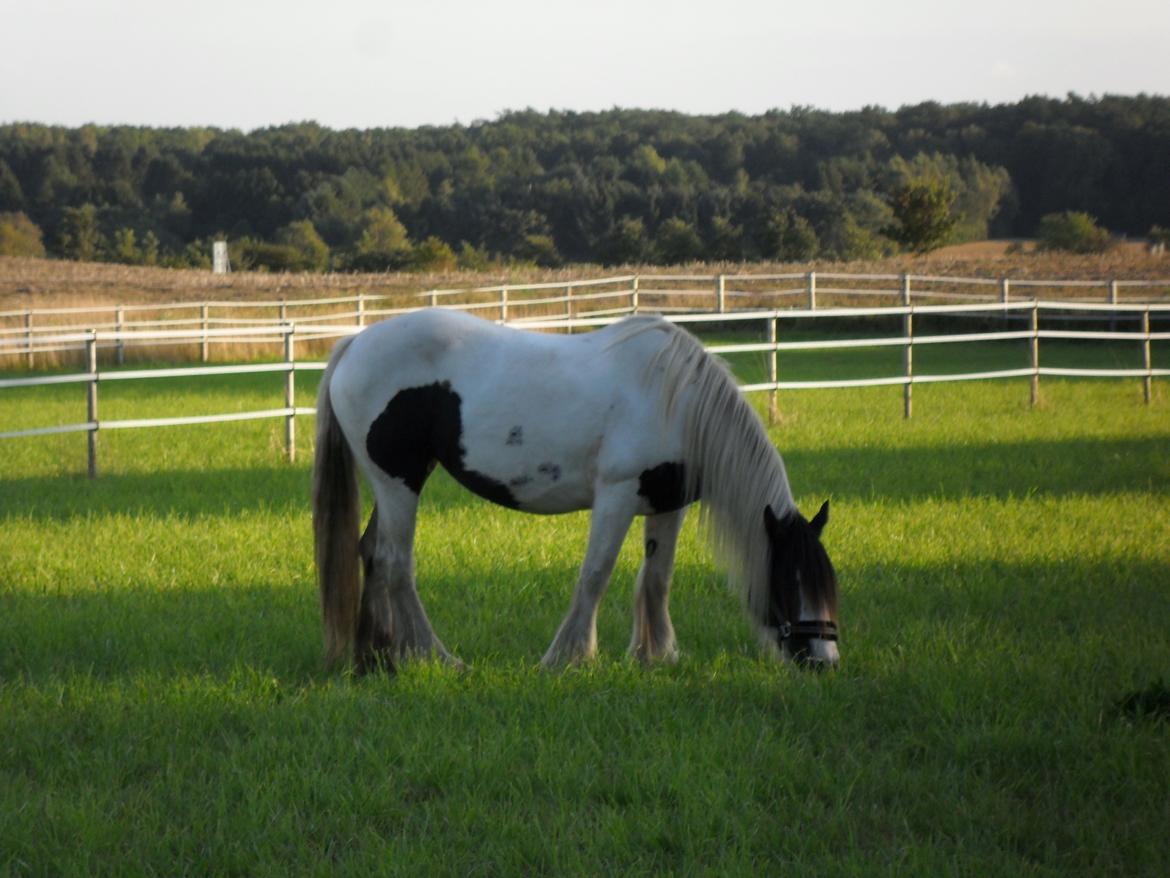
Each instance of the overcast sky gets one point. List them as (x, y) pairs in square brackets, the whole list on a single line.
[(363, 63)]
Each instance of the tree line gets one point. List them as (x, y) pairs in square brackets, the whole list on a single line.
[(622, 186)]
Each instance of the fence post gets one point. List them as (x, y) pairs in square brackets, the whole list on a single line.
[(1113, 301), (812, 291), (205, 350), (120, 323), (361, 309), (634, 295), (1146, 361), (1005, 287), (908, 351), (91, 402), (28, 338), (720, 294), (1034, 350), (503, 304), (434, 298), (290, 377), (774, 396), (908, 363)]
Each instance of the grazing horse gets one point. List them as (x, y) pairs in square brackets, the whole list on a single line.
[(633, 419)]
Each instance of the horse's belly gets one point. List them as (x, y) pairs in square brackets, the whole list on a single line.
[(543, 487)]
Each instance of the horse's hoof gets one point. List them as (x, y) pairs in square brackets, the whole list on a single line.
[(374, 662), (667, 655), (562, 661), (455, 663)]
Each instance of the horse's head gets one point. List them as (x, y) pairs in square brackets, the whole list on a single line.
[(802, 589)]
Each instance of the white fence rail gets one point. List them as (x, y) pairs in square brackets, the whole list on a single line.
[(288, 334), (28, 334)]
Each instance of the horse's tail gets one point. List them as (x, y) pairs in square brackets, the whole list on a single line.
[(336, 519)]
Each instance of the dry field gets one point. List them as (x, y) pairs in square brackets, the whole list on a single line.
[(50, 284), (43, 283)]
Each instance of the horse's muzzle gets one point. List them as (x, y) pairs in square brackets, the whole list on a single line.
[(808, 654), (806, 662)]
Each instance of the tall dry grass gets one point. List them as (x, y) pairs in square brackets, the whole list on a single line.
[(45, 283), (40, 283)]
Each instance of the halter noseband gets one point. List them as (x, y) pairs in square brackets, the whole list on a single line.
[(822, 630)]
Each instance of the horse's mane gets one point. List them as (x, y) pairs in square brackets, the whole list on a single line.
[(731, 463)]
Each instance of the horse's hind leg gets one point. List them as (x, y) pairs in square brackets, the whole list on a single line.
[(392, 624), (653, 638), (373, 648)]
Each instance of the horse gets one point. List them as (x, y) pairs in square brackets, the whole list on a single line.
[(633, 419)]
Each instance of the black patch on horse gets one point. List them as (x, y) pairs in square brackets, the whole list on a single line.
[(515, 436), (552, 470), (419, 426), (664, 487)]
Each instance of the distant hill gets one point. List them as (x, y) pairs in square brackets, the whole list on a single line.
[(623, 186)]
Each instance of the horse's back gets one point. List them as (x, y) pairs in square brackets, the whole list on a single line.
[(527, 420), (436, 345)]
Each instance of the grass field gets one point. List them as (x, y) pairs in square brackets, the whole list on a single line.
[(1005, 579)]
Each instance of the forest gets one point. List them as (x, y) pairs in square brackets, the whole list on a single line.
[(614, 187)]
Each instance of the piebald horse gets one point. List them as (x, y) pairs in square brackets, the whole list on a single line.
[(633, 419)]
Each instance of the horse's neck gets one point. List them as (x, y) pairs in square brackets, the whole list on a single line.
[(744, 463)]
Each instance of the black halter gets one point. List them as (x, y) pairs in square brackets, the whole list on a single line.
[(822, 630)]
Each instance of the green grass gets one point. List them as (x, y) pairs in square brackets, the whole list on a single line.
[(1005, 581)]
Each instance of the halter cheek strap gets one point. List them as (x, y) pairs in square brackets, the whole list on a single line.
[(822, 630)]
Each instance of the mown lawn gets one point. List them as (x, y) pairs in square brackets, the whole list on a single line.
[(1006, 585)]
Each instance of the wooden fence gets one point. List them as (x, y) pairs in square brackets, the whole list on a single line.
[(28, 336), (583, 307)]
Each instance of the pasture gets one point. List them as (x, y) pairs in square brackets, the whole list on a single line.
[(1005, 577)]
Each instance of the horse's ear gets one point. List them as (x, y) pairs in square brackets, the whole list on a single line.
[(820, 520), (771, 523)]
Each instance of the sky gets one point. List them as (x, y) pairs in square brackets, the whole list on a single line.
[(363, 64)]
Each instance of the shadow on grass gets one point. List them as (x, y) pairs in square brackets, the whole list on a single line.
[(1010, 469), (971, 613), (1050, 468)]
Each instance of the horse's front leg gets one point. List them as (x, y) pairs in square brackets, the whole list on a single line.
[(576, 640), (653, 637)]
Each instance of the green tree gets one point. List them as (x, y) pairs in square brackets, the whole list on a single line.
[(11, 194), (626, 243), (472, 258), (982, 192), (81, 238), (677, 242), (312, 252), (725, 242), (646, 165), (124, 247), (922, 213), (250, 254), (1073, 231), (433, 254), (790, 237), (196, 254), (384, 244), (20, 236), (149, 249), (540, 249)]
